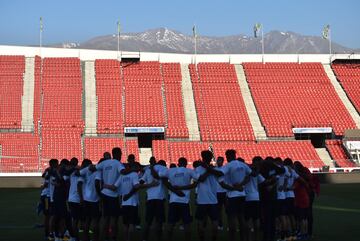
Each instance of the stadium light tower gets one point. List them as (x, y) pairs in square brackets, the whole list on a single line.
[(41, 30), (326, 34), (257, 28), (118, 39), (195, 43)]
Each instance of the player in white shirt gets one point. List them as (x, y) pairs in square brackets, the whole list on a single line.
[(290, 196), (252, 200), (110, 171), (45, 202), (127, 186), (73, 197), (206, 200), (236, 175), (282, 221), (221, 193), (90, 198), (155, 204), (179, 208)]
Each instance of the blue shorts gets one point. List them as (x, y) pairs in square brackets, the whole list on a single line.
[(235, 206)]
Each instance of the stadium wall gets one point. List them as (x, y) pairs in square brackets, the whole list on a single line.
[(88, 54)]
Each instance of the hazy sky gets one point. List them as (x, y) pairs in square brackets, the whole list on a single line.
[(79, 20)]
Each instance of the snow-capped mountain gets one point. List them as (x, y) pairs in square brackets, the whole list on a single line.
[(170, 41)]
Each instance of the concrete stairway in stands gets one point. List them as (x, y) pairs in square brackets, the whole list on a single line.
[(341, 93), (257, 127), (27, 102), (189, 104), (144, 155), (90, 99), (325, 156)]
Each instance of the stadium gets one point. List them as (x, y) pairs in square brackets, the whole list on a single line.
[(61, 104)]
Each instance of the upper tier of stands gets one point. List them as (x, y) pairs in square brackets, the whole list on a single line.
[(291, 95), (12, 70), (143, 94), (176, 124), (349, 76), (297, 150), (109, 89), (219, 104)]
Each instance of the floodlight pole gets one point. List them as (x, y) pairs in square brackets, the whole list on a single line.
[(262, 44), (118, 40)]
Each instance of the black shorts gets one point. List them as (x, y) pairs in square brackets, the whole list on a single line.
[(76, 210), (281, 208), (301, 213), (111, 206), (45, 203), (235, 206), (207, 210), (290, 205), (129, 215), (155, 209), (252, 210), (221, 197), (59, 208), (91, 209), (179, 211)]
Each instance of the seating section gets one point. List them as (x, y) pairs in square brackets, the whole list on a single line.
[(144, 105), (62, 122), (297, 150), (12, 70), (19, 152), (349, 76), (220, 107), (96, 146), (109, 87), (291, 95), (176, 124), (338, 153)]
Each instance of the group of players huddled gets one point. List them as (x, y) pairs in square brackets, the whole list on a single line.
[(270, 199)]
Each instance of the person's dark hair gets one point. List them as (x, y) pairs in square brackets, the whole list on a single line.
[(257, 160), (288, 162), (74, 162), (240, 159), (54, 163), (85, 163), (182, 162), (152, 160), (64, 162), (278, 160), (207, 156), (116, 153), (269, 159), (162, 163), (172, 165), (131, 158), (230, 155), (101, 160), (107, 155), (220, 161), (196, 164)]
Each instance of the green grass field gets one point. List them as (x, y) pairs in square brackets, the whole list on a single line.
[(336, 215)]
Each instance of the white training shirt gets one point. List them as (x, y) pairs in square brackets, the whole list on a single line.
[(89, 189), (180, 176), (45, 191), (206, 190), (280, 181), (73, 192), (125, 184), (290, 182), (235, 173), (157, 192), (252, 188), (219, 188), (110, 172)]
